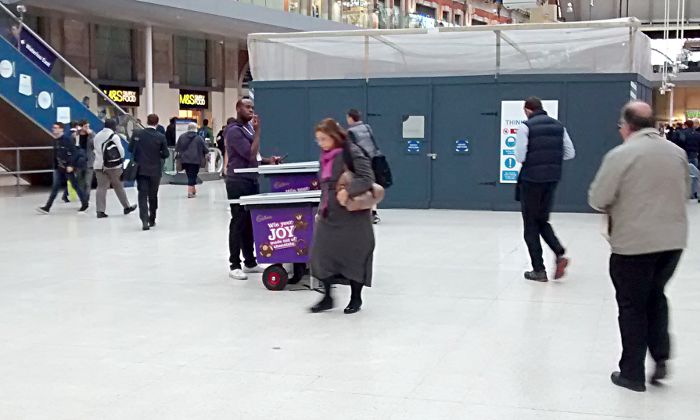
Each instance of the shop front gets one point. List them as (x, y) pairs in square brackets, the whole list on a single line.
[(127, 97), (194, 106)]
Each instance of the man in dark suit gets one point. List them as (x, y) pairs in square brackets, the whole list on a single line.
[(149, 148)]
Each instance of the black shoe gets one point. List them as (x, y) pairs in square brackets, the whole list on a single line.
[(376, 220), (84, 207), (145, 226), (151, 223), (540, 276), (660, 373), (618, 380), (101, 215), (66, 200), (43, 210), (324, 305), (130, 209), (353, 307)]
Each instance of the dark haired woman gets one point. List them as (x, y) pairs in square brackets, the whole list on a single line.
[(343, 244)]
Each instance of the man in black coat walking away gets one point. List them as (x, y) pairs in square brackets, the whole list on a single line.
[(149, 148), (542, 144)]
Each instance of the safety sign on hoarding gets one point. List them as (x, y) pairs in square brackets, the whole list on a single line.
[(512, 116)]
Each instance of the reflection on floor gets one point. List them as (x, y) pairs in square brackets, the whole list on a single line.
[(99, 320)]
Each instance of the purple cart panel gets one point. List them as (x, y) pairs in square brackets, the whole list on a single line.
[(294, 182), (283, 234)]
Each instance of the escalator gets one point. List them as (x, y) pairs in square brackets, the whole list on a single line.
[(33, 96)]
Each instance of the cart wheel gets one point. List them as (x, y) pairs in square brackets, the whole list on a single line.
[(275, 277)]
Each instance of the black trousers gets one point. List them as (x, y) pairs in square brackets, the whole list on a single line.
[(536, 204), (192, 170), (240, 230), (643, 310), (148, 196)]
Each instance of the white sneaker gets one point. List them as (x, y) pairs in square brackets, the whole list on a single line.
[(253, 270), (238, 274)]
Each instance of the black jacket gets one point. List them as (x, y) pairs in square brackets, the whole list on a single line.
[(545, 149), (65, 152), (149, 148), (692, 142), (170, 135)]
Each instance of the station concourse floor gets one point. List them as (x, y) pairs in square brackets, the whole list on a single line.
[(99, 320)]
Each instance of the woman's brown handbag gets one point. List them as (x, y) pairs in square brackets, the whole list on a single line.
[(364, 201)]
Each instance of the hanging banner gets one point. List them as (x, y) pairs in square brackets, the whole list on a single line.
[(512, 116), (36, 51)]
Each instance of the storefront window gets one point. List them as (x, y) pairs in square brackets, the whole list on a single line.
[(113, 52), (191, 60), (356, 12)]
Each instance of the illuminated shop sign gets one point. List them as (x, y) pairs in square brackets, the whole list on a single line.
[(192, 99), (122, 95)]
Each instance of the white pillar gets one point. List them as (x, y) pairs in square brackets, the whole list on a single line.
[(149, 69), (670, 107)]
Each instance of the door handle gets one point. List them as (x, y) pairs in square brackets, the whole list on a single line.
[(432, 156)]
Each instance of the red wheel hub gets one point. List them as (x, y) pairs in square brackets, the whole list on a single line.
[(273, 279)]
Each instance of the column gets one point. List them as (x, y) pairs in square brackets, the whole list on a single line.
[(149, 70)]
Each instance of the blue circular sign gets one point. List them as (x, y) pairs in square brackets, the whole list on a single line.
[(510, 163), (510, 141)]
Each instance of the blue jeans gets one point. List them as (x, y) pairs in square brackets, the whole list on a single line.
[(59, 179)]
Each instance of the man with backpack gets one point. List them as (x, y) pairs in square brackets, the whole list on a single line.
[(361, 134), (109, 160)]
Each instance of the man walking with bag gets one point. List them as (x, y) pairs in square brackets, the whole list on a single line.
[(149, 148), (109, 157), (361, 134), (642, 186), (542, 144), (65, 162)]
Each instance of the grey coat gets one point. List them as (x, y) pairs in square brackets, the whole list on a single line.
[(191, 148), (343, 244), (361, 134)]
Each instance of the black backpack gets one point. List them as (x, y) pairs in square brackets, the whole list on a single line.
[(110, 154), (380, 166)]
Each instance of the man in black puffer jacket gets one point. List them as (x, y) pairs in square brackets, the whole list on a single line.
[(542, 144), (65, 161)]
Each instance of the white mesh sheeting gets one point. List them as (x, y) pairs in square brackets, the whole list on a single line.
[(449, 52)]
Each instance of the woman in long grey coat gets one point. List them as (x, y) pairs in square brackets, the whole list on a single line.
[(343, 244)]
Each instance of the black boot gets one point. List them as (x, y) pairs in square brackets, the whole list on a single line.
[(355, 299), (327, 302), (152, 219)]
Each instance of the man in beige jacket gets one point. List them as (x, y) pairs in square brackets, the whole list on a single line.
[(642, 186)]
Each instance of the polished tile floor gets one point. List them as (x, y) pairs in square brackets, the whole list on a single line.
[(99, 320)]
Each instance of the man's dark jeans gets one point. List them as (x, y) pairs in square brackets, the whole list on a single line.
[(639, 282), (536, 203), (240, 231), (60, 177)]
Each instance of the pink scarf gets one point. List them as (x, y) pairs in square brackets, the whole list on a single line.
[(327, 159)]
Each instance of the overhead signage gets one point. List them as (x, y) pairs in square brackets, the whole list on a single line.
[(36, 51), (192, 99), (123, 96), (512, 116)]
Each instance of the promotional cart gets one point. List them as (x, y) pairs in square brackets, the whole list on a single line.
[(283, 226), (288, 177)]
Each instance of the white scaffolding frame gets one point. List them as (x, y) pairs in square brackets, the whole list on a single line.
[(610, 46)]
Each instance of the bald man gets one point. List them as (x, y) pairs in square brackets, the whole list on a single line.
[(642, 186)]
